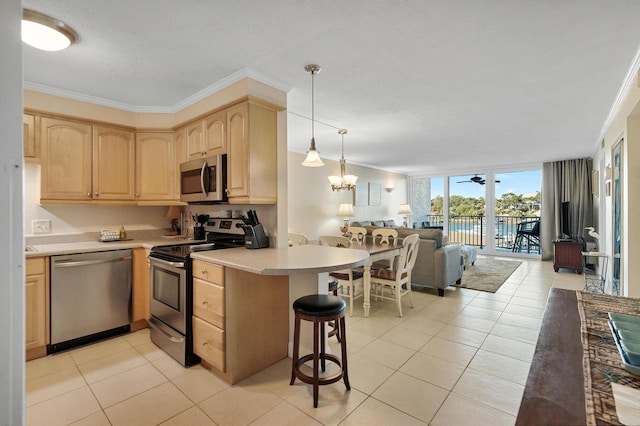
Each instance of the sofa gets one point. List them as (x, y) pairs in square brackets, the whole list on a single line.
[(438, 265)]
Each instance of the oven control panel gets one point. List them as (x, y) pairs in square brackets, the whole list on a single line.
[(225, 226)]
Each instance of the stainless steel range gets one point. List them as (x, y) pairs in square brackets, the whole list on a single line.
[(171, 287)]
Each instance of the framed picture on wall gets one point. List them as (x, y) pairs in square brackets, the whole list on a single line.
[(360, 195), (374, 193)]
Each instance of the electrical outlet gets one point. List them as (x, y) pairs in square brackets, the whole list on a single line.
[(41, 226)]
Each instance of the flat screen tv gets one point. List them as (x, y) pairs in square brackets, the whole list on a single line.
[(565, 220)]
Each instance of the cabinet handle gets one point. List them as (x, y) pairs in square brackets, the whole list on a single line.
[(205, 343), (204, 302), (204, 272), (88, 194), (96, 194)]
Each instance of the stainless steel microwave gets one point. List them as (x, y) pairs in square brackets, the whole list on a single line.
[(204, 180)]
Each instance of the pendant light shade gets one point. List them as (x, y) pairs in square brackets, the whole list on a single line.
[(313, 157), (46, 33)]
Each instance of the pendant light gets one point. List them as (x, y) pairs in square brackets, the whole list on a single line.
[(343, 181), (46, 33), (313, 158)]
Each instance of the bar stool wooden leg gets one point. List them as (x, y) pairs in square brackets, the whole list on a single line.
[(296, 346), (316, 373), (343, 346)]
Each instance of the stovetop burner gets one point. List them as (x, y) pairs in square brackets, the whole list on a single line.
[(182, 251)]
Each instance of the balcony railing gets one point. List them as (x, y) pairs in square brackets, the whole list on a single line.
[(472, 230)]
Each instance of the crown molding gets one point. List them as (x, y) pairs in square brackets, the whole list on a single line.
[(207, 91), (630, 79)]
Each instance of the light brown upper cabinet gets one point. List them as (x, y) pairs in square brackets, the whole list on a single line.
[(31, 140), (156, 177), (206, 136), (66, 157), (113, 163), (81, 162), (252, 154)]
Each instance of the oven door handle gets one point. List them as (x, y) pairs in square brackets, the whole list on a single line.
[(166, 262), (164, 333)]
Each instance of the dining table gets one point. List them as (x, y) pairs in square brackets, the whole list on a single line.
[(376, 252)]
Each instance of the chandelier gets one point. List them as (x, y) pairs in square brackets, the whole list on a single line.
[(343, 181), (313, 157)]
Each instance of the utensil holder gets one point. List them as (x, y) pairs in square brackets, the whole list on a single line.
[(198, 233)]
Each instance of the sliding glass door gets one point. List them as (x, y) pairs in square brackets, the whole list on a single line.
[(498, 212)]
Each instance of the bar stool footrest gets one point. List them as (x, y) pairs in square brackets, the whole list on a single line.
[(321, 380)]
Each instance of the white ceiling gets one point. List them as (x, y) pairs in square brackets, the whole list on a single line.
[(422, 86)]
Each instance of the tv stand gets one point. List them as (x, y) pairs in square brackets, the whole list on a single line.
[(567, 253)]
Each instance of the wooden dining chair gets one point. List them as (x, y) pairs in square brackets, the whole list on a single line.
[(357, 233), (348, 279), (297, 239), (398, 281), (385, 234)]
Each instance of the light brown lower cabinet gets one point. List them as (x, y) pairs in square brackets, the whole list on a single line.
[(241, 319), (37, 307)]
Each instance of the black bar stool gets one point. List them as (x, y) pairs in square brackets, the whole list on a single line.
[(319, 308)]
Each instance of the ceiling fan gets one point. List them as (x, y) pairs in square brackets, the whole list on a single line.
[(476, 179)]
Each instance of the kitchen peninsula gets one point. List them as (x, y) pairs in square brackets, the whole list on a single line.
[(256, 290)]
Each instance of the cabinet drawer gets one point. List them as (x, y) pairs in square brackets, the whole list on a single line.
[(208, 302), (208, 272), (209, 343), (35, 265)]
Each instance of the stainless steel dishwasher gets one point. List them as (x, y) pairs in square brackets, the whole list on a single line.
[(90, 297)]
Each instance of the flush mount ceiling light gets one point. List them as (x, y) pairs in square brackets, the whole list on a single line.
[(343, 181), (46, 33), (313, 157)]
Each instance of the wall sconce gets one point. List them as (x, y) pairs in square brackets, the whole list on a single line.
[(389, 188)]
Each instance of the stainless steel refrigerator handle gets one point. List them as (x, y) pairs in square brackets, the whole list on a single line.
[(204, 167), (165, 334), (166, 262), (73, 264)]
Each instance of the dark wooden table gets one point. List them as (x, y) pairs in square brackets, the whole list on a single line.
[(554, 393)]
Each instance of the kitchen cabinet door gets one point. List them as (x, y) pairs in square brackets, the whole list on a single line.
[(113, 163), (215, 133), (155, 167), (252, 154), (36, 307), (30, 138), (195, 140), (66, 158)]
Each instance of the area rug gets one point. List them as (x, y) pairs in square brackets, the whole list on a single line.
[(488, 274)]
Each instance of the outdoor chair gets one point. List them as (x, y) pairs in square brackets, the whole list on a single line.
[(528, 232)]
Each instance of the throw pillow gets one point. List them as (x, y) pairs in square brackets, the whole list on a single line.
[(389, 223), (365, 223), (379, 223)]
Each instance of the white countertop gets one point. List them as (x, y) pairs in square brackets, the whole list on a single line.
[(286, 261), (93, 246)]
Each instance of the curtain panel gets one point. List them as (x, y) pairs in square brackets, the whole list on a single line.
[(567, 180)]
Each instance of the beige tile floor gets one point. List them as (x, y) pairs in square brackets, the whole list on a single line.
[(458, 360)]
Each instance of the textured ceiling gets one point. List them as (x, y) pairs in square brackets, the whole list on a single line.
[(422, 86)]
